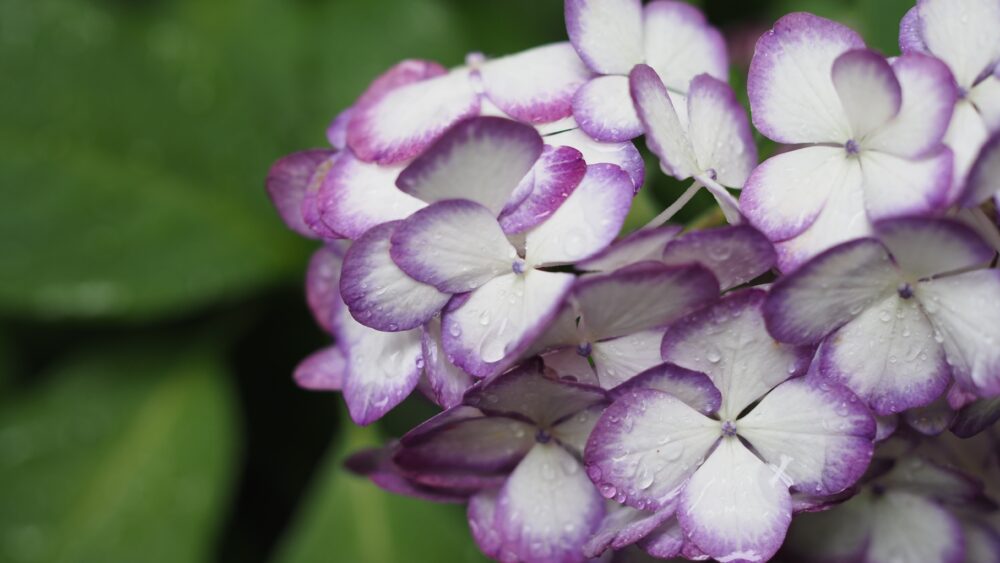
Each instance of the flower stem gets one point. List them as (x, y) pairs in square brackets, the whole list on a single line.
[(730, 207), (676, 206)]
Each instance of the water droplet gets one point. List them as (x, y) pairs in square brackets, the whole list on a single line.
[(608, 491)]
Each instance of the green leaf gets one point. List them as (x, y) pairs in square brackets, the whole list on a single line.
[(346, 518), (122, 456)]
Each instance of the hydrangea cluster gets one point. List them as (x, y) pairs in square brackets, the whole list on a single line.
[(834, 349)]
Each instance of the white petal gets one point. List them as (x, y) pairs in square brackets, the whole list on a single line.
[(720, 132), (665, 134), (986, 97), (868, 90), (448, 383), (680, 44), (906, 527), (358, 195), (929, 247), (963, 34), (620, 359), (606, 33), (640, 246), (966, 135), (602, 109), (984, 178), (896, 186), (569, 365)]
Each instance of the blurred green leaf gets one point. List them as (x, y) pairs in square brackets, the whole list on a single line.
[(347, 518), (126, 455)]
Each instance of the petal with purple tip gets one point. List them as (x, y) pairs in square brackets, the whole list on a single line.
[(336, 132), (966, 135), (666, 135), (619, 359), (929, 247), (322, 370), (606, 33), (553, 178), (490, 444), (287, 182), (448, 383), (942, 23), (792, 97), (481, 514), (931, 420), (323, 285), (868, 90), (984, 177), (623, 526), (692, 387), (454, 245), (623, 155), (720, 131), (667, 541), (908, 527), (640, 246), (680, 44), (480, 159), (601, 107), (895, 186), (735, 255), (735, 508)]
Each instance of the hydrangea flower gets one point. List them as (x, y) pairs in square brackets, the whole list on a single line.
[(613, 36), (874, 131), (984, 177), (899, 314), (726, 475), (962, 33), (529, 430)]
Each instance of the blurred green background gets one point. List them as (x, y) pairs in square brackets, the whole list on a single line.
[(151, 309)]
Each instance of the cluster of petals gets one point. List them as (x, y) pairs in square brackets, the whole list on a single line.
[(671, 392)]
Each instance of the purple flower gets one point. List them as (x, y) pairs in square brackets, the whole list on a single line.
[(874, 131), (720, 434), (529, 431), (613, 36), (899, 314)]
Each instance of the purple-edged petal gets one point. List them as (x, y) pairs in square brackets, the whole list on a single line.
[(641, 297), (454, 245), (680, 44), (895, 186), (929, 247), (481, 514), (787, 193), (792, 97), (448, 383), (818, 436), (553, 178), (623, 155), (501, 319), (984, 177), (606, 33), (323, 285), (287, 182), (907, 527), (586, 222), (910, 38), (692, 387), (377, 465), (868, 90), (623, 526), (548, 508), (480, 159), (378, 293), (601, 107), (526, 392), (885, 426), (382, 368), (322, 370), (976, 417), (537, 85), (645, 446), (640, 246), (928, 102), (401, 74), (888, 356), (336, 132), (666, 134), (405, 121), (962, 34), (735, 255), (720, 131), (358, 195), (668, 541), (490, 445), (829, 290), (729, 343), (735, 508), (574, 431), (965, 311), (619, 359)]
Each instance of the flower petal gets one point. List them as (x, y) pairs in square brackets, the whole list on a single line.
[(574, 431), (928, 101), (570, 366), (984, 176), (287, 182), (448, 383), (787, 192), (965, 310), (602, 109), (606, 33), (553, 178), (527, 393), (976, 417), (735, 254), (646, 444), (720, 131), (729, 343), (336, 132), (896, 186), (639, 246), (358, 195), (868, 90), (829, 290), (586, 222), (666, 135), (928, 247), (962, 35), (537, 85), (735, 508), (792, 97), (379, 294), (819, 436), (887, 355), (323, 285), (455, 245), (619, 359), (906, 527), (623, 155), (692, 387), (491, 444), (481, 514), (986, 97), (623, 526), (548, 508), (668, 541), (933, 419), (322, 370), (481, 159), (680, 44), (406, 120)]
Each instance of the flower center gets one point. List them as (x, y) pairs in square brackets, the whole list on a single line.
[(728, 428), (905, 290), (584, 349), (518, 266), (711, 173), (542, 437), (852, 147)]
